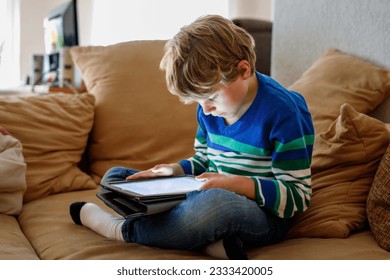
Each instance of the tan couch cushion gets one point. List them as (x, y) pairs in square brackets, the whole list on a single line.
[(138, 123), (53, 130), (378, 203), (80, 243), (337, 78), (348, 155), (13, 244), (12, 174)]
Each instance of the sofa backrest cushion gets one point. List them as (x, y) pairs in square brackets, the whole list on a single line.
[(336, 78), (53, 130), (138, 123), (12, 174)]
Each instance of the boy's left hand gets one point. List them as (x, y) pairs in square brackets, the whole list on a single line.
[(214, 180), (239, 184)]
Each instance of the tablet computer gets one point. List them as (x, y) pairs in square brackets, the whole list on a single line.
[(156, 187)]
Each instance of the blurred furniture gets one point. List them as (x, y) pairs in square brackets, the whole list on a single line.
[(261, 31)]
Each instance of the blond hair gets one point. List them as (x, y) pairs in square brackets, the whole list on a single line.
[(204, 54)]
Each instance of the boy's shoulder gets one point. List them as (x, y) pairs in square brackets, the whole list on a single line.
[(268, 84), (276, 93)]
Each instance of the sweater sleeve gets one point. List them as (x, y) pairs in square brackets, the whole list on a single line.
[(289, 192), (198, 163)]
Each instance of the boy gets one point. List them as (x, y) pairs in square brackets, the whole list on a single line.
[(253, 147)]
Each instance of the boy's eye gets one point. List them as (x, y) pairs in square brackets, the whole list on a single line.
[(213, 97)]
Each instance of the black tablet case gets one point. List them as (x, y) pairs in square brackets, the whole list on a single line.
[(128, 206)]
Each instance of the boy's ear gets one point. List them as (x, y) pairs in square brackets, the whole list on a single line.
[(245, 69)]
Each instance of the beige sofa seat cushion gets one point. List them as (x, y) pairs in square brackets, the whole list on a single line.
[(63, 239), (348, 155), (138, 123), (13, 243), (12, 174), (358, 246), (378, 203), (53, 130)]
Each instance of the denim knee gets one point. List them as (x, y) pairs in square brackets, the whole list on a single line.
[(117, 173), (221, 207)]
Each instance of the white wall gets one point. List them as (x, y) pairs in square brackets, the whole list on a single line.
[(303, 29)]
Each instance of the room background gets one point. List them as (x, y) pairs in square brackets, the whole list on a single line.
[(104, 22)]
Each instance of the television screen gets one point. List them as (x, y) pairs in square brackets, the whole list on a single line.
[(61, 28)]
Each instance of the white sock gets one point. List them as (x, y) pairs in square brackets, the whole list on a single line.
[(103, 223), (216, 250)]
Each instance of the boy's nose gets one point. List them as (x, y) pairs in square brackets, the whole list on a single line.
[(207, 108)]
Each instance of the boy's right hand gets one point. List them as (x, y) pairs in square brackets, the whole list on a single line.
[(160, 170), (3, 131)]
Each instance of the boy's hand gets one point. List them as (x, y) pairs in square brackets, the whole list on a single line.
[(3, 131), (160, 170), (239, 184), (215, 180)]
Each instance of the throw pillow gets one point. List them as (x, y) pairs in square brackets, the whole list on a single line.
[(337, 78), (12, 174), (53, 130), (348, 155), (138, 123), (378, 203)]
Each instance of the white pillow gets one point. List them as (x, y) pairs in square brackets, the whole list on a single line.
[(12, 174)]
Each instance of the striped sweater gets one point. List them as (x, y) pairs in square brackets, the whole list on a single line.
[(271, 143)]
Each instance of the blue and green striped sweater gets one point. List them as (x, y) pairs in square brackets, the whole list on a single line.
[(271, 143)]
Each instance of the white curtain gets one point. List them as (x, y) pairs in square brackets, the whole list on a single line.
[(9, 43)]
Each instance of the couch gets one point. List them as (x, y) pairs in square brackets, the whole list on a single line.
[(60, 145)]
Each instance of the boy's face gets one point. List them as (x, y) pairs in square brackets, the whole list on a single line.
[(231, 100), (227, 100)]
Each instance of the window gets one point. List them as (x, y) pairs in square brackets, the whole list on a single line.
[(9, 43), (124, 20)]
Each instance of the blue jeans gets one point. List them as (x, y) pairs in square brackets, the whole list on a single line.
[(204, 217)]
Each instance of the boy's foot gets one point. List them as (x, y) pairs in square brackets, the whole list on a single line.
[(233, 248), (93, 217), (74, 210), (227, 248)]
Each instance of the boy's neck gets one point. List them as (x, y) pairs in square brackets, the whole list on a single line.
[(250, 97)]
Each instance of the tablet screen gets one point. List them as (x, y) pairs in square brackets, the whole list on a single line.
[(159, 186)]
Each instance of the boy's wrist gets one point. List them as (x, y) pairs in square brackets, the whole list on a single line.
[(177, 169)]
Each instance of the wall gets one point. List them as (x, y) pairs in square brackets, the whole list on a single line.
[(303, 29)]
